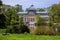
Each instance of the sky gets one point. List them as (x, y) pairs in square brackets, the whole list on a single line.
[(26, 3)]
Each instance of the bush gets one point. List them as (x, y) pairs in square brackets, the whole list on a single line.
[(36, 31), (44, 31), (57, 26), (17, 29), (39, 30), (49, 31), (24, 28), (10, 29), (2, 30)]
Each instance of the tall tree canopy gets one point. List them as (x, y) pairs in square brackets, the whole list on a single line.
[(1, 3), (41, 10), (55, 12), (2, 16), (18, 8), (11, 15)]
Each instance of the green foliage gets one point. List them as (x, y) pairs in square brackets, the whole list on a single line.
[(39, 30), (17, 27), (39, 20), (55, 13), (1, 3), (18, 8), (2, 16), (23, 27), (57, 26), (49, 31), (2, 21), (9, 29), (26, 9), (21, 23), (2, 30), (11, 16), (41, 10), (44, 30)]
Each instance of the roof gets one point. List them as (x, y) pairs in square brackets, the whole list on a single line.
[(44, 16), (36, 13)]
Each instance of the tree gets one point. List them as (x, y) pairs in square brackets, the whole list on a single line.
[(16, 27), (18, 8), (26, 9), (54, 16), (1, 6), (12, 20), (2, 16), (2, 21), (23, 27), (1, 3), (54, 11), (41, 10), (39, 20)]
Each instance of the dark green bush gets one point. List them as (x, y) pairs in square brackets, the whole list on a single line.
[(24, 28), (17, 29)]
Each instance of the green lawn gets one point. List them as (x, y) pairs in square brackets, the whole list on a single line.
[(28, 37)]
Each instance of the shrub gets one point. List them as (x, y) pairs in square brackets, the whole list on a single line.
[(24, 28), (17, 29), (9, 29), (36, 31), (43, 30), (57, 28), (48, 32), (39, 30)]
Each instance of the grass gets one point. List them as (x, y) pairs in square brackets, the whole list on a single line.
[(28, 37)]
